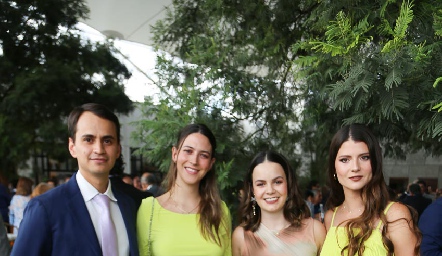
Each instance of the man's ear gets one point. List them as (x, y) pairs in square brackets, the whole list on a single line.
[(72, 148)]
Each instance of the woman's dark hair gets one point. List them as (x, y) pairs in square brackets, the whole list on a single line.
[(210, 210), (295, 209), (375, 194)]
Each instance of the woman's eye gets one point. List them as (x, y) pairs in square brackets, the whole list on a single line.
[(365, 157), (344, 160)]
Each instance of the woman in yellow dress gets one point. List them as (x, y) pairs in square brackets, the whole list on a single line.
[(362, 220), (190, 218)]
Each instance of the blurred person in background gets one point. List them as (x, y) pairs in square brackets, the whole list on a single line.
[(424, 190), (19, 202), (5, 198), (127, 179), (41, 188), (150, 183), (4, 242), (430, 225), (415, 199), (52, 182), (137, 182)]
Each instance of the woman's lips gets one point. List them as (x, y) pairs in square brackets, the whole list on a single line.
[(355, 178)]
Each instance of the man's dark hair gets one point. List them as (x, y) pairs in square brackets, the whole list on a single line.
[(96, 109), (152, 179), (308, 193), (312, 183), (421, 182), (415, 189)]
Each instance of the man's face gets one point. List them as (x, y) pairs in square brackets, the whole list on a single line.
[(422, 188), (137, 182), (96, 146)]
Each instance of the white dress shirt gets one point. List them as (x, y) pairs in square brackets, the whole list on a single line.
[(89, 192)]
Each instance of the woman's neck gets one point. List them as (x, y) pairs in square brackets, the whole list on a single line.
[(185, 192), (353, 202), (185, 199), (274, 221)]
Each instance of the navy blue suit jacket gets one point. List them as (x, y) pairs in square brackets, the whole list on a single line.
[(58, 223)]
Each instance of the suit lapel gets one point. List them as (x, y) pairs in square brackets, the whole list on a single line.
[(82, 219)]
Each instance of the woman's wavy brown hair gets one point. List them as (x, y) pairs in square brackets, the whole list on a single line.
[(210, 210), (295, 209), (374, 195)]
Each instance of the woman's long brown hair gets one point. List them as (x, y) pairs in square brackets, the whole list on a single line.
[(210, 210), (374, 195)]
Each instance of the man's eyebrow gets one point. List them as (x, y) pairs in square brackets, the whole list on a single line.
[(93, 136)]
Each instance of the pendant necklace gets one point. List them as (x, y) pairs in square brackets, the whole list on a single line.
[(278, 232), (181, 209), (351, 211)]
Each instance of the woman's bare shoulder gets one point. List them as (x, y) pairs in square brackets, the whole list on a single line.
[(237, 241), (397, 211), (238, 233)]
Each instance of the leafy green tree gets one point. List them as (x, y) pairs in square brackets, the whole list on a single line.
[(376, 63), (230, 67), (294, 72), (46, 69)]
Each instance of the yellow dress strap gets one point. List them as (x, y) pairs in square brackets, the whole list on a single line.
[(385, 212), (333, 217)]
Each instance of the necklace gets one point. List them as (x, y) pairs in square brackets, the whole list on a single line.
[(351, 211), (181, 209), (278, 232)]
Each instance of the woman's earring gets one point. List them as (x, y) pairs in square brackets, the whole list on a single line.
[(334, 176), (253, 199)]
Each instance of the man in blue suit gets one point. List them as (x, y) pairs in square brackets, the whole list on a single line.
[(67, 219)]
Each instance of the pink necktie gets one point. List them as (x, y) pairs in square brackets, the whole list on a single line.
[(109, 244)]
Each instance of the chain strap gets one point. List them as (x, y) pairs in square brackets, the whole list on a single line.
[(149, 241)]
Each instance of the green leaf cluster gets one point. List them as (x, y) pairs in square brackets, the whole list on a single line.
[(385, 80), (286, 74)]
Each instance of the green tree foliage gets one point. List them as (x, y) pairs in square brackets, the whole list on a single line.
[(46, 69), (294, 72), (230, 67), (381, 59)]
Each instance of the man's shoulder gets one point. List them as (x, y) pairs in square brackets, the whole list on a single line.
[(436, 206)]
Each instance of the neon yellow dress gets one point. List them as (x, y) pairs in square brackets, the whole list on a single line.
[(336, 239), (178, 234)]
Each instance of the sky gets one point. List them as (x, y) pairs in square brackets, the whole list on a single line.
[(139, 56)]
